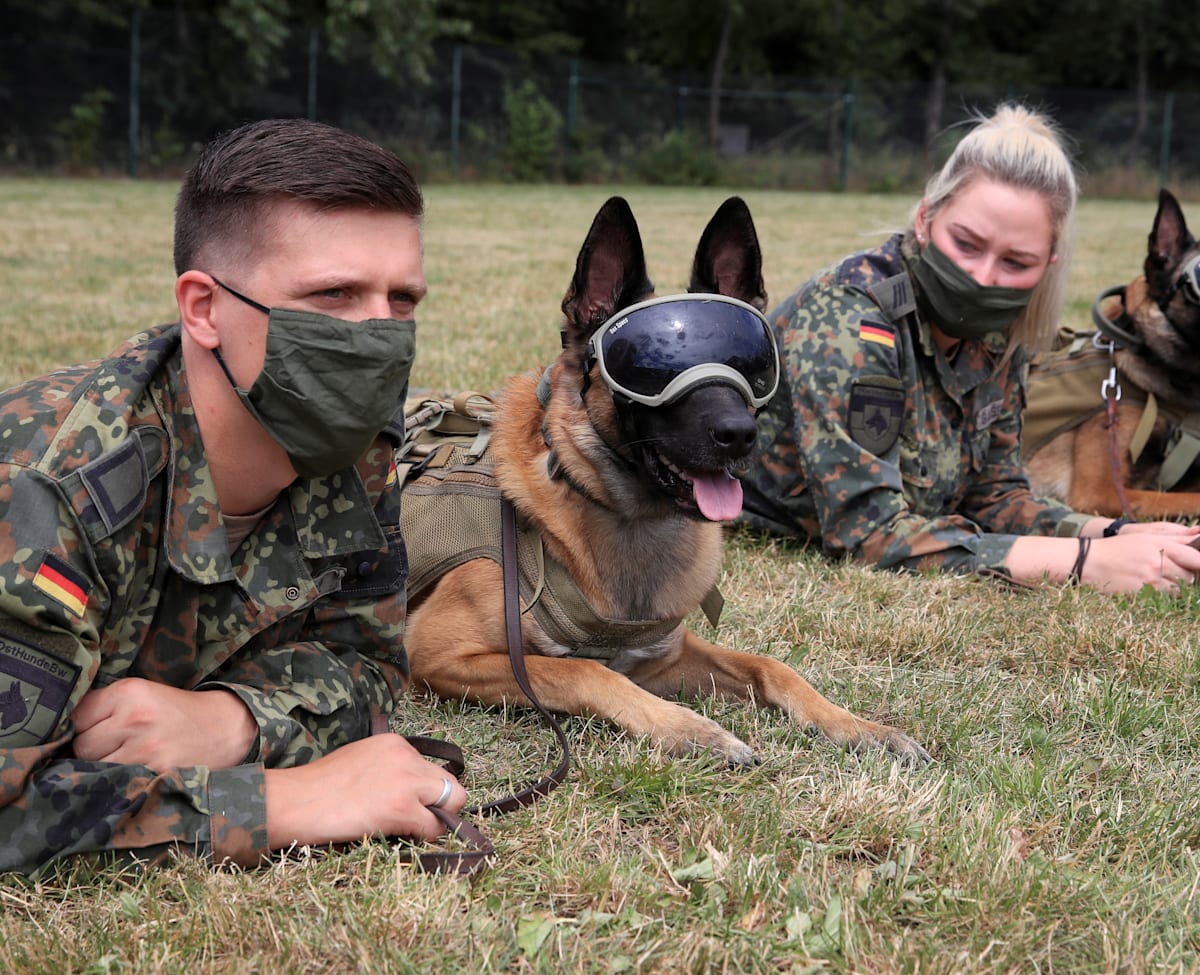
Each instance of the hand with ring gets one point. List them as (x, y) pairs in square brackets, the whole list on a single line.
[(447, 788)]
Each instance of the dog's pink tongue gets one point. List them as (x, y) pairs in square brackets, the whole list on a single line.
[(718, 496)]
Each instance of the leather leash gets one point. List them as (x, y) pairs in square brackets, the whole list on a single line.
[(516, 656), (1110, 389), (1114, 451), (479, 848)]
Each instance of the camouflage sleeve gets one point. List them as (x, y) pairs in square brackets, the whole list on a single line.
[(53, 806), (315, 682), (999, 499), (320, 689), (52, 610), (837, 347)]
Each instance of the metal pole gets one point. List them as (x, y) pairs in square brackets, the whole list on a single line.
[(1164, 153), (847, 129), (455, 106), (314, 46), (135, 59), (572, 105)]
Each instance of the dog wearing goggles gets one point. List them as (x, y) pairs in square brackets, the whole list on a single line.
[(622, 460), (1144, 465)]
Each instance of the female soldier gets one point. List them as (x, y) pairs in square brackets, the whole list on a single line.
[(895, 434)]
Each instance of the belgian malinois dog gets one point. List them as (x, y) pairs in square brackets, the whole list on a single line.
[(1156, 323), (622, 458)]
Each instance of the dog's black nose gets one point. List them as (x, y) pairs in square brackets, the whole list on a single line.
[(734, 433)]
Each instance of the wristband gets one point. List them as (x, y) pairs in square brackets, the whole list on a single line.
[(1114, 527), (1076, 576)]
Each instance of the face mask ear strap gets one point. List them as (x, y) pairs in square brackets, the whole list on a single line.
[(225, 369), (241, 297)]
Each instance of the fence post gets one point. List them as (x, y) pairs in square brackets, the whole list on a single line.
[(314, 45), (455, 105), (1164, 152), (572, 105), (135, 67), (847, 130)]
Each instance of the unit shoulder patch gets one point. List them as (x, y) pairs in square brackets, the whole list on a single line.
[(35, 687), (876, 412)]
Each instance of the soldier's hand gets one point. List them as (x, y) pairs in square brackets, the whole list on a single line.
[(140, 722), (375, 786), (1127, 562)]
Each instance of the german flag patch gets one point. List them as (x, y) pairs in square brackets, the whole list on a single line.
[(392, 474), (877, 333), (64, 584)]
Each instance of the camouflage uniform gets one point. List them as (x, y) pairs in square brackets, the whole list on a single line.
[(879, 446), (114, 563)]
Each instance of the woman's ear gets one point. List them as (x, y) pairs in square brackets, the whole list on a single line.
[(194, 292), (921, 224)]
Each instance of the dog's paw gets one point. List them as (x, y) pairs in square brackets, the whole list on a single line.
[(705, 735), (896, 743)]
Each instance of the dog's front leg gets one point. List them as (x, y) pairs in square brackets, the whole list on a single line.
[(701, 667), (456, 649)]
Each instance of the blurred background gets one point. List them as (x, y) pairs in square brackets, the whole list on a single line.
[(860, 95)]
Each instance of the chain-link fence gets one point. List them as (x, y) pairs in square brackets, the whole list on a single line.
[(141, 102)]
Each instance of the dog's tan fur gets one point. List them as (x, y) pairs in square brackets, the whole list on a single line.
[(632, 555), (1077, 466)]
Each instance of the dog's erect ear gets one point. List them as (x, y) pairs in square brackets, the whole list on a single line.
[(610, 271), (1169, 240), (728, 258)]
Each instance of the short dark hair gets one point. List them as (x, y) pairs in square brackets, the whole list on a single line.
[(242, 172)]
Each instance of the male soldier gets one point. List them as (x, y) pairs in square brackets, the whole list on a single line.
[(202, 582)]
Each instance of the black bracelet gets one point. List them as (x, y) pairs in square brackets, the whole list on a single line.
[(1114, 527), (1076, 575)]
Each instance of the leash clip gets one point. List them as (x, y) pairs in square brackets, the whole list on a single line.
[(1103, 343), (1111, 383)]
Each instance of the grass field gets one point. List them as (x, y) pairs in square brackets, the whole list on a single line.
[(1057, 831)]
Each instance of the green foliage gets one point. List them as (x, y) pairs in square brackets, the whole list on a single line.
[(532, 148), (81, 130), (679, 159)]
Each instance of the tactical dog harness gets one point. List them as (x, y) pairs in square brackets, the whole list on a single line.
[(450, 515), (1064, 383)]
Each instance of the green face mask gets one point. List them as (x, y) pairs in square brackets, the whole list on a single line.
[(958, 304), (327, 386)]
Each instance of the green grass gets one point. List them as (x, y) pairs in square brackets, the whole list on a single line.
[(1058, 829)]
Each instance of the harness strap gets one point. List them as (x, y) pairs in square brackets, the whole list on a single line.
[(1181, 452), (1141, 435)]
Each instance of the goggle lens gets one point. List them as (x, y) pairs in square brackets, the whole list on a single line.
[(1189, 278), (656, 351)]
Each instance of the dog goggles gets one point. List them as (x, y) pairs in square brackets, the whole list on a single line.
[(656, 351), (1189, 280)]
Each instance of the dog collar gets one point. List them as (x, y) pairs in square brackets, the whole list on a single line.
[(1118, 330)]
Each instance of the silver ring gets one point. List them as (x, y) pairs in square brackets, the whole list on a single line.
[(447, 788)]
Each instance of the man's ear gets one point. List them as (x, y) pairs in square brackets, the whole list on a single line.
[(194, 292)]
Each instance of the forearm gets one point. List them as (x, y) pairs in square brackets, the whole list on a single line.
[(71, 807), (306, 699)]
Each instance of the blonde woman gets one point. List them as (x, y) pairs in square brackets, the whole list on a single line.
[(895, 435)]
